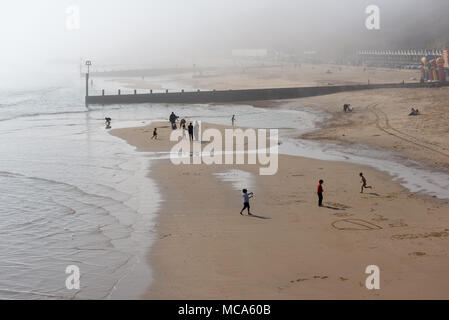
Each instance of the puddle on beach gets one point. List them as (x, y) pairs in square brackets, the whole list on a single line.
[(238, 179)]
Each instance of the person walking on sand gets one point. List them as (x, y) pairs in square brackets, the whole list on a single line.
[(183, 122), (184, 131), (196, 131), (190, 131), (173, 118), (364, 183), (320, 193), (246, 197), (233, 120), (154, 134), (108, 122)]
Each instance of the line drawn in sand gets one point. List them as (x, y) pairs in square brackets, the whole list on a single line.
[(411, 236), (388, 129), (355, 224)]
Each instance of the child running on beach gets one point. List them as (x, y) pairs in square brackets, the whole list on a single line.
[(246, 197), (364, 184), (320, 193), (154, 134)]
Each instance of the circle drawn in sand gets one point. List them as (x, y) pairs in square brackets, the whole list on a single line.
[(355, 224)]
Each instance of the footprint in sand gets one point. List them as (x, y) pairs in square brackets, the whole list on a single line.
[(417, 254), (338, 205), (379, 218), (305, 279), (298, 280), (427, 235), (398, 224), (343, 214)]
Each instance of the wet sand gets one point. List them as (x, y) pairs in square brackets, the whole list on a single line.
[(292, 249)]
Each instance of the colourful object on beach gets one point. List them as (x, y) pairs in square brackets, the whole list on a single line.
[(434, 69), (433, 65), (441, 72)]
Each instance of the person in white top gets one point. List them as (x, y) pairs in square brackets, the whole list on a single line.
[(246, 197), (196, 131), (184, 136)]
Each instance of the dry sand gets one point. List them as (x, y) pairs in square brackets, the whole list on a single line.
[(380, 119), (288, 75), (280, 76), (293, 249)]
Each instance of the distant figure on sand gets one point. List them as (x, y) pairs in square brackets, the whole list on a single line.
[(347, 108), (183, 127), (233, 120), (414, 112), (320, 193), (173, 118), (108, 122), (246, 197), (196, 130), (182, 123), (190, 131), (364, 185), (154, 134)]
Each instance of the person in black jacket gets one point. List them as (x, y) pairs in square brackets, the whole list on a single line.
[(191, 131), (173, 118)]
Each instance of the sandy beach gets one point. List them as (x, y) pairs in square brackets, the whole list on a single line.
[(380, 119), (250, 76), (291, 248), (94, 207)]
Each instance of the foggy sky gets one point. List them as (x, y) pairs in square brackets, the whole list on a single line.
[(157, 31)]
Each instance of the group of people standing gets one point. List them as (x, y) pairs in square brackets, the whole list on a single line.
[(192, 129)]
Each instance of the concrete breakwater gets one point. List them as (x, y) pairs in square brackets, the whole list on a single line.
[(243, 95)]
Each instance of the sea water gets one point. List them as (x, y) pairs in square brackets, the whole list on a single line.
[(71, 194)]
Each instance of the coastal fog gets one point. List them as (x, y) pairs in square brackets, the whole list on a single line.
[(177, 32)]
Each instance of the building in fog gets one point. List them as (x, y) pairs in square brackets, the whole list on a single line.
[(396, 58)]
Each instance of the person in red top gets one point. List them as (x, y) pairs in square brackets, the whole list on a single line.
[(320, 193)]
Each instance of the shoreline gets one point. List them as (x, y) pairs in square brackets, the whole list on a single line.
[(191, 232)]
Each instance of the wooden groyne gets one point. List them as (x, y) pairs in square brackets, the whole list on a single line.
[(228, 96)]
